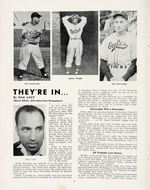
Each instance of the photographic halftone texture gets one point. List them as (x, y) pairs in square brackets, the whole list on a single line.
[(89, 63), (32, 73)]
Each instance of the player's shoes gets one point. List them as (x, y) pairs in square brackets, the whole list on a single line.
[(67, 71), (45, 75), (20, 77), (76, 71)]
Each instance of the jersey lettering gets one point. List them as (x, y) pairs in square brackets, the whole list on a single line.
[(75, 31), (118, 44)]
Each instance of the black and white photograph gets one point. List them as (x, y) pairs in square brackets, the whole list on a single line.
[(118, 36), (31, 46), (29, 130), (75, 43)]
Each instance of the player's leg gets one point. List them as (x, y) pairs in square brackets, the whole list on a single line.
[(24, 59), (78, 55), (36, 53), (69, 56)]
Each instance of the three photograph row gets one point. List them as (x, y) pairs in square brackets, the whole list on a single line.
[(99, 43)]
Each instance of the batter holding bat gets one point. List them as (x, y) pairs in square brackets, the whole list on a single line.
[(74, 25), (31, 37), (118, 52)]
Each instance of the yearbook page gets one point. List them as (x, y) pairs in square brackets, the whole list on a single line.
[(74, 95)]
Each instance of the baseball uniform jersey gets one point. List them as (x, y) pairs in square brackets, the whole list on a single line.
[(119, 52), (31, 46)]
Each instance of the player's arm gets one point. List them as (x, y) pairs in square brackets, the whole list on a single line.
[(23, 35), (65, 20), (36, 34), (24, 30), (133, 67), (83, 21), (131, 70), (105, 71), (29, 37)]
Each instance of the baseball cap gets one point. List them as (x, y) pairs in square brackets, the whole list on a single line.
[(121, 13), (35, 14)]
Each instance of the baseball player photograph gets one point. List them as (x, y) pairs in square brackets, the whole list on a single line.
[(31, 45), (118, 35), (75, 43), (29, 131)]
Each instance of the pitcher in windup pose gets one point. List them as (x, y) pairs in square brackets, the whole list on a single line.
[(74, 25)]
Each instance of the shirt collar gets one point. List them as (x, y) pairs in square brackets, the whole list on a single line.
[(39, 153)]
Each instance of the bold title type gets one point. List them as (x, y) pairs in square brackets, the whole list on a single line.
[(30, 91), (33, 92)]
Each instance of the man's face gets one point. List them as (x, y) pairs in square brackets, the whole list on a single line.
[(75, 21), (35, 20), (30, 130), (120, 24)]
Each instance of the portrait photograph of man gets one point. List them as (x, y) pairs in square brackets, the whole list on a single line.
[(29, 129)]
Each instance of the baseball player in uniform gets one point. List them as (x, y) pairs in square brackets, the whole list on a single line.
[(74, 25), (118, 52), (31, 37)]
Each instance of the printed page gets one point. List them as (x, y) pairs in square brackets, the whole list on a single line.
[(74, 100)]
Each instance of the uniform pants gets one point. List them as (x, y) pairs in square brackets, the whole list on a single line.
[(26, 51), (74, 49)]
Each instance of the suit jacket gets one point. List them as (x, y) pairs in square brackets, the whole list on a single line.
[(16, 150)]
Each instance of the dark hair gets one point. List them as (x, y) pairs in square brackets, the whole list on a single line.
[(28, 108), (35, 14)]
